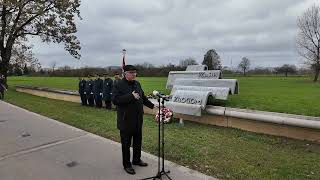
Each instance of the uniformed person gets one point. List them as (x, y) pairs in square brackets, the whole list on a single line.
[(97, 90), (89, 91), (129, 97), (107, 91), (82, 92), (2, 86), (116, 78)]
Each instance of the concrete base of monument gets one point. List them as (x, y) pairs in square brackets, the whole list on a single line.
[(289, 131), (279, 124)]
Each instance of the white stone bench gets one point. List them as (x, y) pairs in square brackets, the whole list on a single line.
[(188, 102), (173, 75), (229, 83), (197, 68), (217, 92)]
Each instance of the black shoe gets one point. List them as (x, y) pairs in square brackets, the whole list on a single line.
[(140, 163), (130, 170)]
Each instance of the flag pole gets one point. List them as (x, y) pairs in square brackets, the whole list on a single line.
[(123, 60)]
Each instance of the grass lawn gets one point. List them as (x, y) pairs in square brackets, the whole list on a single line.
[(294, 95), (220, 152)]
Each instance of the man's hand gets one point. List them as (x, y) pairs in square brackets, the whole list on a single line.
[(136, 95)]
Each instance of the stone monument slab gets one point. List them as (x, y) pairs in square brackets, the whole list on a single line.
[(173, 75), (229, 83)]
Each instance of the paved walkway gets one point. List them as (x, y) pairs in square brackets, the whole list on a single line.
[(34, 147)]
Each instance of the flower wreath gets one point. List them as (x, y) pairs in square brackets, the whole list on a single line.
[(167, 115)]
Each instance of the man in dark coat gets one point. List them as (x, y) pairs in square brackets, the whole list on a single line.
[(129, 97), (2, 86), (116, 78), (89, 91), (82, 92), (107, 91), (97, 91)]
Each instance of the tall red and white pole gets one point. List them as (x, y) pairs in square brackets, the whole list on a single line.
[(123, 60)]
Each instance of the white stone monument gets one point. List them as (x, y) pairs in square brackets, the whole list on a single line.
[(197, 68), (173, 75), (188, 102), (192, 88), (217, 92), (229, 83)]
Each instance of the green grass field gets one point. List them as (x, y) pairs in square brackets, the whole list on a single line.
[(220, 152), (294, 95)]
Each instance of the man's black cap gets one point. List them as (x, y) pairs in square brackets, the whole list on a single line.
[(129, 68)]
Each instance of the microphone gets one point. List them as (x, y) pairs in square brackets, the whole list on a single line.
[(160, 95)]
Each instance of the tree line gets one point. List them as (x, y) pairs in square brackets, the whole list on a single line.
[(147, 69)]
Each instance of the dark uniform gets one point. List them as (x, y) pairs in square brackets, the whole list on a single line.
[(130, 117), (97, 91), (82, 92), (89, 92), (107, 91), (2, 87), (116, 78)]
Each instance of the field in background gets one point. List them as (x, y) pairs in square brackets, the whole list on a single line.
[(294, 95)]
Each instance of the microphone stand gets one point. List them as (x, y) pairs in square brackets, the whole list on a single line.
[(160, 123)]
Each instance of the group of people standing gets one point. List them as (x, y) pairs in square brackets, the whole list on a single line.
[(95, 89)]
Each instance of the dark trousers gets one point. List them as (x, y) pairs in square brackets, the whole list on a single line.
[(90, 99), (98, 100), (126, 143), (1, 94), (83, 99), (108, 104)]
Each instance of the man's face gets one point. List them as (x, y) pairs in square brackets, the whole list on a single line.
[(131, 75)]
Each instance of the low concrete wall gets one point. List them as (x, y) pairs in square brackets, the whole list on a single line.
[(256, 126), (279, 124), (50, 93)]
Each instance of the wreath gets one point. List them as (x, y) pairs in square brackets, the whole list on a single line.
[(166, 113)]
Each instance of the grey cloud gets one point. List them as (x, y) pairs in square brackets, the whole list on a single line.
[(166, 31)]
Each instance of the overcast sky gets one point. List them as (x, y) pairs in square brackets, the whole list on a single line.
[(166, 31)]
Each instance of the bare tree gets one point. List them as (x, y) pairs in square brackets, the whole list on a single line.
[(308, 39), (51, 20), (244, 65), (188, 61), (147, 65), (53, 66)]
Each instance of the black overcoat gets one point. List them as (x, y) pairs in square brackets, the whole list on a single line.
[(129, 110), (89, 87), (107, 89), (97, 87), (82, 86), (2, 85)]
